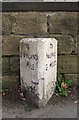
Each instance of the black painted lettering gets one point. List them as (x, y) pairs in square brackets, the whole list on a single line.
[(53, 63), (35, 57), (51, 45), (51, 54)]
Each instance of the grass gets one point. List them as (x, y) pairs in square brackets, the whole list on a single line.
[(63, 85)]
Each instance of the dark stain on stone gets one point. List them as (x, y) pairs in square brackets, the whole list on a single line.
[(50, 55), (27, 63), (42, 78), (27, 46), (32, 67), (24, 54), (47, 55), (46, 67)]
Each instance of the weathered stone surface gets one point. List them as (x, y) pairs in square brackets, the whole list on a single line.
[(67, 64), (6, 23), (29, 23), (5, 66), (64, 22), (10, 81), (65, 43), (38, 66), (14, 65), (10, 45)]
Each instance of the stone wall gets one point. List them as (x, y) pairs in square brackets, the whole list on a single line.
[(18, 25)]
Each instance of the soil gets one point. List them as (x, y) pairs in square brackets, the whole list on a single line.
[(57, 107)]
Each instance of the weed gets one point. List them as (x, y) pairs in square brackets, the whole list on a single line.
[(63, 85)]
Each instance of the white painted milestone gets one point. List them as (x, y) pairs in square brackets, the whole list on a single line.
[(38, 66)]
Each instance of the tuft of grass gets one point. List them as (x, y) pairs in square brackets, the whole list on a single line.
[(63, 85)]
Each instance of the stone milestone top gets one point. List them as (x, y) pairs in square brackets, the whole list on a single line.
[(25, 40)]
